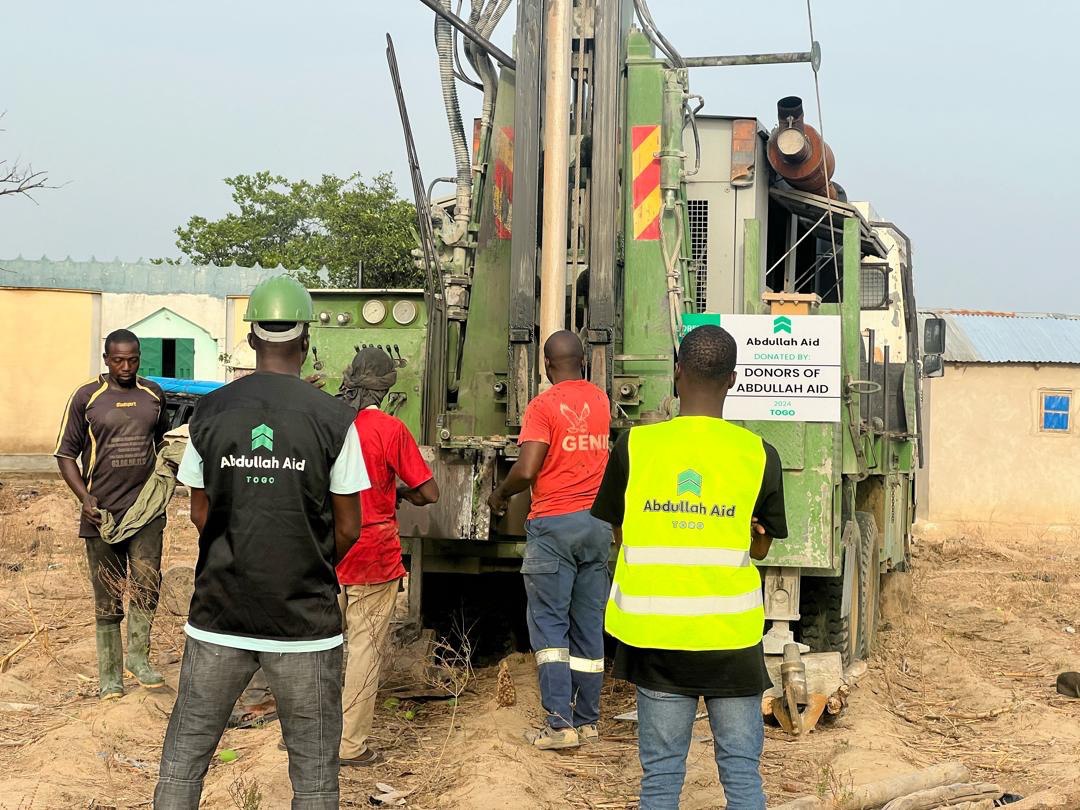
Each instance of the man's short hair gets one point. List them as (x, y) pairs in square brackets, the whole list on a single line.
[(708, 353), (120, 336)]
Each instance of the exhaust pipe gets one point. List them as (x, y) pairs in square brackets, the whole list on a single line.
[(798, 154)]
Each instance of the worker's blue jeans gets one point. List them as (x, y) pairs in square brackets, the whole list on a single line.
[(665, 725), (566, 581)]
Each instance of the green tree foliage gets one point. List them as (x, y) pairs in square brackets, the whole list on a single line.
[(337, 222)]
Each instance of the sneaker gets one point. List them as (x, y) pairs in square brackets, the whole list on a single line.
[(588, 733), (369, 757), (553, 739)]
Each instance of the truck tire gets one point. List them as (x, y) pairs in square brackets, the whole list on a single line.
[(869, 583), (821, 626)]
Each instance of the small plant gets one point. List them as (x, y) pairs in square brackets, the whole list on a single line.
[(832, 787), (246, 795)]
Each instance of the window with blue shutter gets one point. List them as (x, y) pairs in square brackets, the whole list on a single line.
[(1056, 406)]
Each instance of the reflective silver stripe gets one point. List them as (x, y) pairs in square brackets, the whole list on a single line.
[(586, 664), (685, 555), (553, 655), (686, 605)]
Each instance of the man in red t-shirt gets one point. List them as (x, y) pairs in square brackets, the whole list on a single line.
[(564, 450), (370, 573)]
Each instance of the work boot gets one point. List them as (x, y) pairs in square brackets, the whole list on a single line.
[(588, 733), (553, 739), (137, 662), (109, 655)]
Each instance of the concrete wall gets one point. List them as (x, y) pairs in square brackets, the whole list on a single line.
[(54, 346), (241, 355), (987, 461)]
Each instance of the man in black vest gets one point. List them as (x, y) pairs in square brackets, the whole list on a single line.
[(274, 467)]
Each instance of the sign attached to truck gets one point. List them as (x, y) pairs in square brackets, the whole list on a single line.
[(788, 366)]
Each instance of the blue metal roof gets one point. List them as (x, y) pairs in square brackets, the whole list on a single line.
[(1010, 337)]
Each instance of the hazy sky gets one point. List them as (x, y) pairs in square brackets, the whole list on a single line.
[(943, 114)]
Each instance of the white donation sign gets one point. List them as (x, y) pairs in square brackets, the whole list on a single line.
[(788, 366)]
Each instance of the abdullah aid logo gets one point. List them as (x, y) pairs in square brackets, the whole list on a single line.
[(262, 438), (689, 481)]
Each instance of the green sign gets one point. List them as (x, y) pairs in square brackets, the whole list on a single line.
[(692, 320)]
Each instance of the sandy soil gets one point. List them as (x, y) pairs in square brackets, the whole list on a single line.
[(965, 670)]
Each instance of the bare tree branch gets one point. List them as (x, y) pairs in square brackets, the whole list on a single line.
[(16, 179)]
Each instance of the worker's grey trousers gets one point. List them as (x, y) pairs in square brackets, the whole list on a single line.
[(307, 686)]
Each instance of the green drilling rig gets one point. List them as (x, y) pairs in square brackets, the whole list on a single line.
[(594, 196)]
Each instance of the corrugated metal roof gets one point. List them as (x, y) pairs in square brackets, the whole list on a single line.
[(973, 336), (134, 277)]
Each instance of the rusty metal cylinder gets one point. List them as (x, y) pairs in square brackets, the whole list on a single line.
[(793, 674), (798, 154)]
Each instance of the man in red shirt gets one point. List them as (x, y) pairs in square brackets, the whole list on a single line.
[(564, 449), (370, 573)]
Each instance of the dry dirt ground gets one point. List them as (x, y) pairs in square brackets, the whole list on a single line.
[(964, 671)]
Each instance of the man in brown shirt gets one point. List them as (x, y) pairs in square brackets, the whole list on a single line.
[(113, 425)]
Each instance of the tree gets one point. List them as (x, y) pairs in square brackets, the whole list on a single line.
[(340, 223), (17, 179)]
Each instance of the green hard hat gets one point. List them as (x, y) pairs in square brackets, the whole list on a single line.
[(282, 299)]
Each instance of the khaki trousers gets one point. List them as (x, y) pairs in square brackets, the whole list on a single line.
[(366, 611)]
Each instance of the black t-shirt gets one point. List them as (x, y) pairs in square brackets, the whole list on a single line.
[(268, 443), (715, 673), (114, 431)]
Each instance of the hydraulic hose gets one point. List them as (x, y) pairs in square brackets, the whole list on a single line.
[(444, 45)]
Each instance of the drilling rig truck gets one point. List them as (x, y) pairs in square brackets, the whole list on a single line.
[(592, 195)]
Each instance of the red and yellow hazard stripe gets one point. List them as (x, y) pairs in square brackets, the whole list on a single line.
[(646, 181)]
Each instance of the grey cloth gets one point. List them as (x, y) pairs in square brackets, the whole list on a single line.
[(367, 379), (308, 690)]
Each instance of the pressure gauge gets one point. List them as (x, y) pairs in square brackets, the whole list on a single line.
[(374, 312), (404, 312)]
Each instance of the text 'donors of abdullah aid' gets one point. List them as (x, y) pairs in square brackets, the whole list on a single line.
[(788, 366)]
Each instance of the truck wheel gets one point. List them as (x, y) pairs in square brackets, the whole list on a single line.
[(869, 583), (821, 626)]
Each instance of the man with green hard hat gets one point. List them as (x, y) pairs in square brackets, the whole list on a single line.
[(274, 466)]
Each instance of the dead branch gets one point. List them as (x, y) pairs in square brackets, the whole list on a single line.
[(16, 179)]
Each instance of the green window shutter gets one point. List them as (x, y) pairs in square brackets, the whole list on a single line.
[(150, 357), (185, 358)]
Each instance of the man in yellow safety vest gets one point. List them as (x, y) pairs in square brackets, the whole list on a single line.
[(692, 500)]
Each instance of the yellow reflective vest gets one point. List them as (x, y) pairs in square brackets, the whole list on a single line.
[(684, 579)]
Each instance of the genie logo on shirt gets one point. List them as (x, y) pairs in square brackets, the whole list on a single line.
[(577, 436)]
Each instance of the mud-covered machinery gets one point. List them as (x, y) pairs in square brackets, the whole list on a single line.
[(591, 194)]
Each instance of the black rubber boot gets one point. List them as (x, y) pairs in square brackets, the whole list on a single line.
[(138, 652), (109, 656)]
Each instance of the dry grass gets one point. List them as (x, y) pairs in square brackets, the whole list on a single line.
[(966, 675)]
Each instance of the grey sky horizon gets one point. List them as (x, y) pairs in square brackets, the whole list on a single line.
[(936, 113)]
